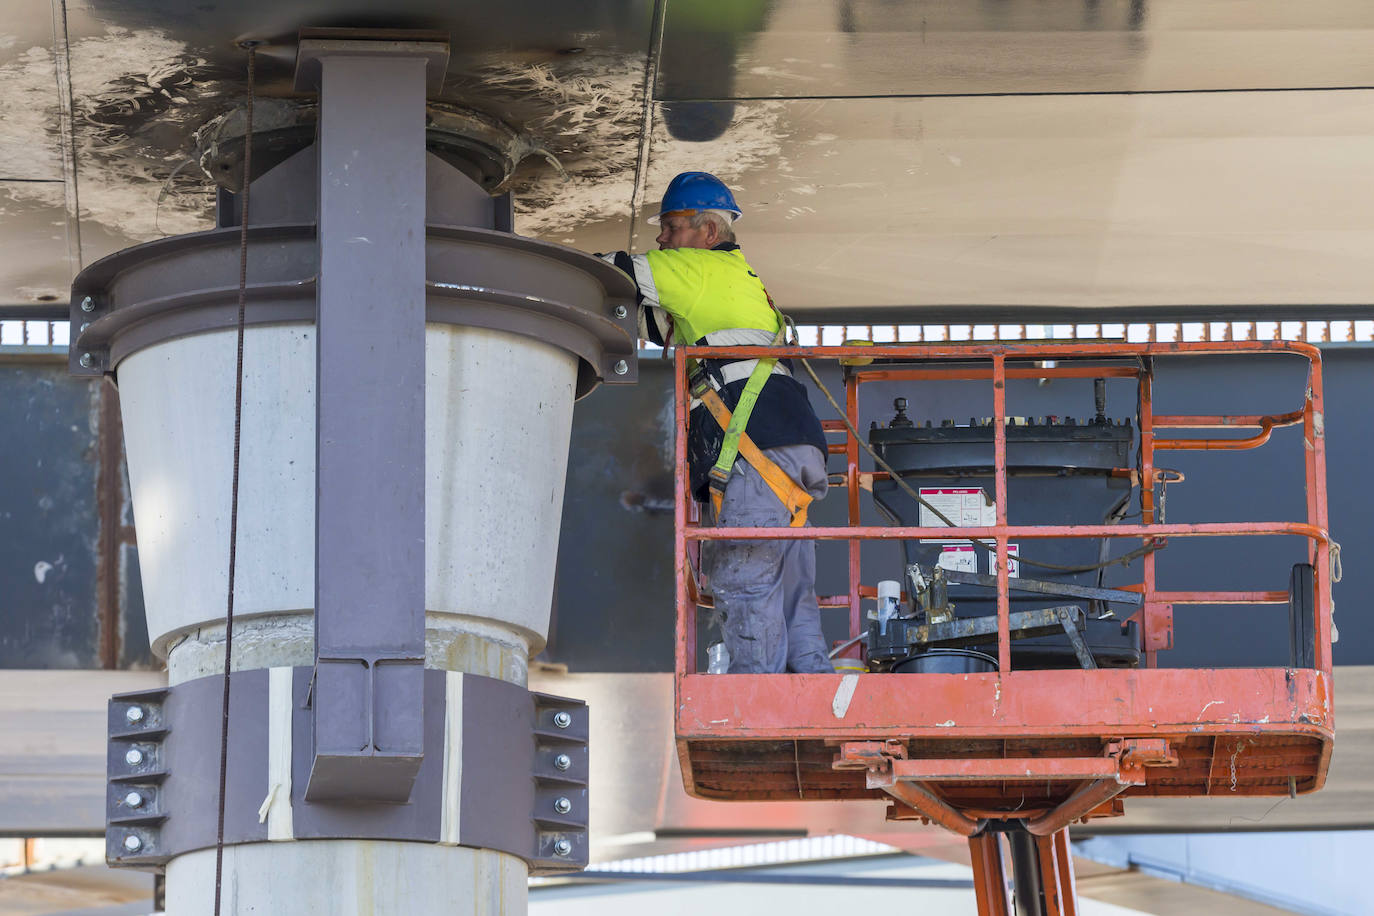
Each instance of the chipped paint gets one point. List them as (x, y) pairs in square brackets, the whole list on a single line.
[(844, 695), (1204, 709), (949, 723)]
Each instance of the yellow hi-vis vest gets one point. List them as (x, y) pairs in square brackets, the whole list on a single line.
[(705, 291)]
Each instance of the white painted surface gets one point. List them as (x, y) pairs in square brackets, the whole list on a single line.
[(450, 819), (350, 878), (178, 405), (498, 413), (277, 806)]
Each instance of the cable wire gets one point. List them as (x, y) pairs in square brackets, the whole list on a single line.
[(234, 486), (651, 66)]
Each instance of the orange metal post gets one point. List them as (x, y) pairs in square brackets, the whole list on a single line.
[(1314, 436), (999, 447), (851, 406), (1147, 501), (989, 875)]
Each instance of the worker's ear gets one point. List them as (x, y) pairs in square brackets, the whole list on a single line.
[(712, 233)]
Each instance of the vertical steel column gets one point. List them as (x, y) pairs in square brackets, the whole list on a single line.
[(370, 416), (1028, 897)]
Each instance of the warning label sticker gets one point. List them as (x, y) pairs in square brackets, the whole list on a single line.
[(958, 558), (967, 507)]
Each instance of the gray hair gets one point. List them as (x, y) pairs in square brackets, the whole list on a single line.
[(722, 220)]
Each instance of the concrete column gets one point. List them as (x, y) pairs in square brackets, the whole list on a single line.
[(399, 502), (409, 375)]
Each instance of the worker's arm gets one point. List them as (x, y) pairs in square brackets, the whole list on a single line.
[(679, 274)]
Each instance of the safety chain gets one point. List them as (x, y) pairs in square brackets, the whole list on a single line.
[(1240, 746)]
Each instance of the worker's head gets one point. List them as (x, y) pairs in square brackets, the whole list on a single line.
[(698, 211), (694, 229)]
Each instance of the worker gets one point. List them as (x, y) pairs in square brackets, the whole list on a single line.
[(758, 469)]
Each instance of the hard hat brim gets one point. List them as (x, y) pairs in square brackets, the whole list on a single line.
[(735, 215)]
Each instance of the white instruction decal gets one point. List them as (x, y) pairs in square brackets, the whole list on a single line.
[(958, 557), (966, 507)]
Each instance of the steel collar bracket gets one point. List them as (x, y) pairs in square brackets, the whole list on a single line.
[(188, 284), (503, 769)]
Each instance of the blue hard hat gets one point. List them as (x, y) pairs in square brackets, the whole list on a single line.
[(696, 191)]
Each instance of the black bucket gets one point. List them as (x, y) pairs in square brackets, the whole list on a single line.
[(946, 661)]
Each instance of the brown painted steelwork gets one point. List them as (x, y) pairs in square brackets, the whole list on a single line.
[(955, 742), (1056, 874), (989, 875)]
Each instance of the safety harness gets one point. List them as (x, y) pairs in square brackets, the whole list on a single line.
[(794, 498)]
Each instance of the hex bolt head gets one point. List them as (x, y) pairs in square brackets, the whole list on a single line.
[(133, 756), (132, 843), (562, 805), (87, 361), (621, 311), (134, 715), (134, 800), (621, 367), (562, 719), (562, 848), (84, 326), (562, 761), (88, 304)]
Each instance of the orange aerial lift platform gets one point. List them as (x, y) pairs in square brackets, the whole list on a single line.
[(1051, 706)]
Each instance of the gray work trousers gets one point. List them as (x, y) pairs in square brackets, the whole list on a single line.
[(766, 590)]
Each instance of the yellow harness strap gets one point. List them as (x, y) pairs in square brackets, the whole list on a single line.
[(794, 499)]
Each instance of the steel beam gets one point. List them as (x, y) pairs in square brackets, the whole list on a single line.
[(914, 795), (1076, 805), (370, 427)]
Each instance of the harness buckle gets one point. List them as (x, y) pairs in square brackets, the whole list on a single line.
[(699, 382)]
